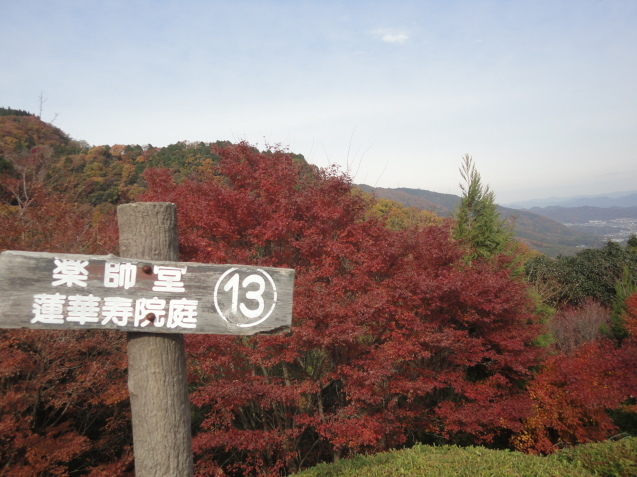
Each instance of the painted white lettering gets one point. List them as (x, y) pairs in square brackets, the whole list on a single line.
[(169, 279), (120, 275), (255, 295), (83, 309), (48, 308), (146, 306), (118, 310), (69, 273), (182, 312)]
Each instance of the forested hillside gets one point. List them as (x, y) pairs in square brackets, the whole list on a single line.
[(539, 231), (408, 328)]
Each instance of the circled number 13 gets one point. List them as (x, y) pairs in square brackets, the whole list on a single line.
[(255, 295)]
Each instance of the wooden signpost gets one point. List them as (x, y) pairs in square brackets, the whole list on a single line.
[(156, 299), (66, 291)]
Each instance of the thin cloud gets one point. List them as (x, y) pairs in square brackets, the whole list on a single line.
[(395, 38)]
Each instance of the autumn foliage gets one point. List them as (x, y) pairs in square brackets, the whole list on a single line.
[(396, 337), (576, 389), (64, 403)]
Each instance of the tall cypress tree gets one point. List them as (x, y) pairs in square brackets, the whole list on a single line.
[(478, 222)]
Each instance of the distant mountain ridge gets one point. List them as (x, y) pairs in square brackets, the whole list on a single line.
[(615, 199), (536, 231), (570, 215)]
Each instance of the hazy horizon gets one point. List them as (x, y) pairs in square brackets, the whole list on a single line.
[(618, 194)]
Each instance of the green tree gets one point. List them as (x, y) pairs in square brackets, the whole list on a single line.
[(604, 274), (631, 244), (478, 222)]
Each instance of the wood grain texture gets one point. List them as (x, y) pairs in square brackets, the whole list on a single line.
[(157, 383), (148, 230), (26, 274)]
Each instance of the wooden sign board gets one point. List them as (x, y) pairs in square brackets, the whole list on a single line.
[(69, 291)]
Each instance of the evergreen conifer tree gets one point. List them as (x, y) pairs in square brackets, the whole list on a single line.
[(478, 222)]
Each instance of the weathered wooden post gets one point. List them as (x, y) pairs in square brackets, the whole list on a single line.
[(155, 299), (156, 361)]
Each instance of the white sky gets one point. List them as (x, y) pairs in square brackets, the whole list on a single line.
[(542, 93)]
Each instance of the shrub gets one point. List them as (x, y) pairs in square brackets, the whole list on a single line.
[(574, 326), (449, 461), (610, 458)]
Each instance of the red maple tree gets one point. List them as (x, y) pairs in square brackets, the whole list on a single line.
[(63, 397), (395, 338), (575, 390)]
